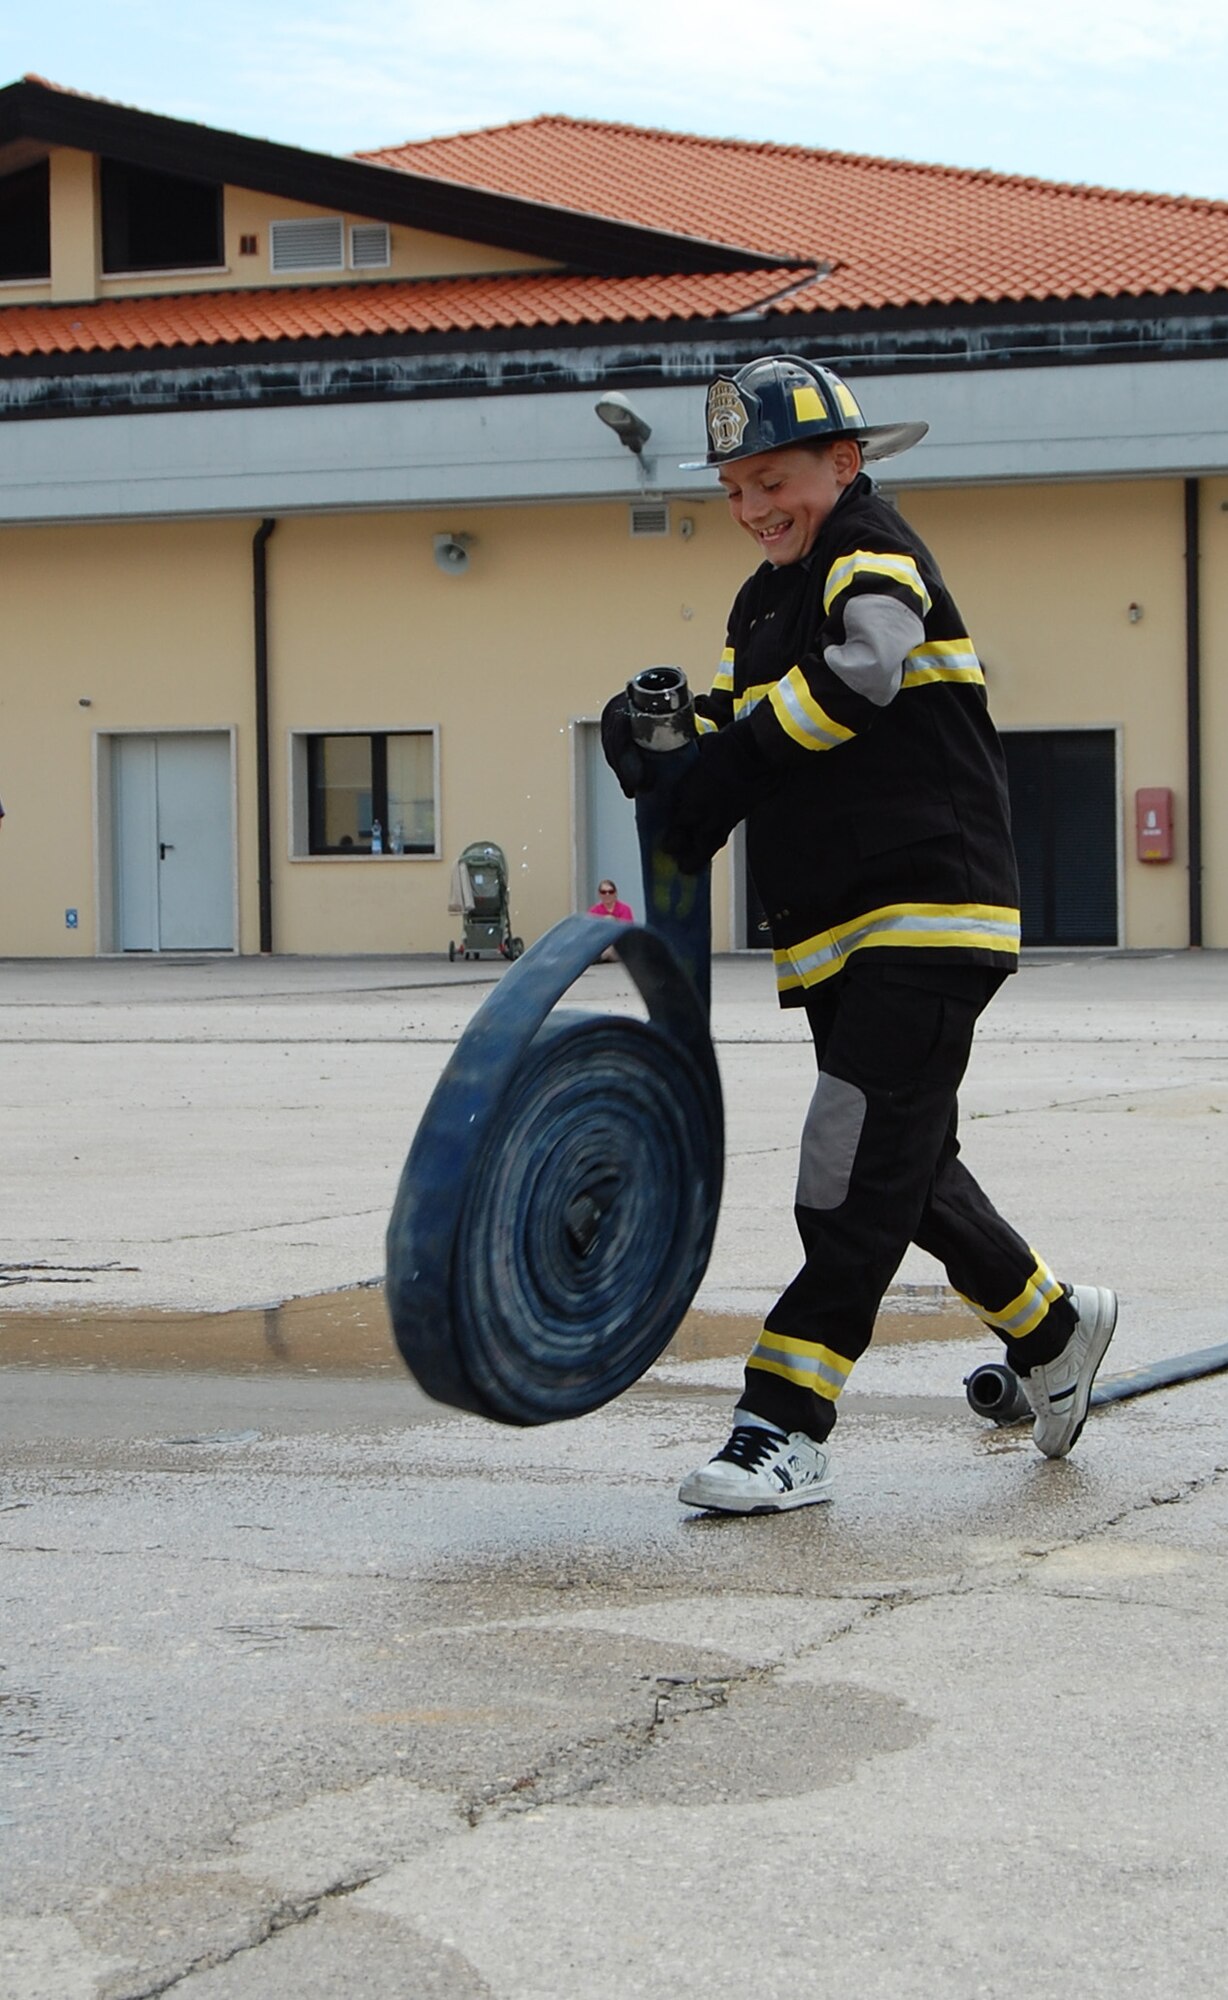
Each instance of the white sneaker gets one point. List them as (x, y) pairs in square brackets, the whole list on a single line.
[(760, 1472), (1060, 1390)]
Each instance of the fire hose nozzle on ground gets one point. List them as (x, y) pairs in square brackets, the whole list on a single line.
[(995, 1391)]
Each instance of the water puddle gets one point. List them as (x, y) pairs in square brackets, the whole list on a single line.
[(708, 1336), (342, 1333), (333, 1333)]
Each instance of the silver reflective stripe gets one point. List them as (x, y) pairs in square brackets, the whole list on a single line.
[(830, 1138), (943, 660), (900, 569), (1024, 1321), (804, 1368), (954, 927), (1022, 1315), (801, 724)]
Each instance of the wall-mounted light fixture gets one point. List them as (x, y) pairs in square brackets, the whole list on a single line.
[(452, 553), (1134, 612), (628, 426)]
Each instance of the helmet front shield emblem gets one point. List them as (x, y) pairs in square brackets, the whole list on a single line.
[(728, 416)]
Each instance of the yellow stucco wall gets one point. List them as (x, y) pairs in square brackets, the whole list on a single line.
[(152, 625), (1213, 595), (1045, 576), (556, 609), (76, 233), (416, 253)]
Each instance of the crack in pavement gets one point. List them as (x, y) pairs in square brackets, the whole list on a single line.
[(285, 1915), (966, 1583), (576, 1768), (1099, 1099), (1171, 1496)]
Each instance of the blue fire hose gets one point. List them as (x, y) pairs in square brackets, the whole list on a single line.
[(556, 1212), (994, 1390)]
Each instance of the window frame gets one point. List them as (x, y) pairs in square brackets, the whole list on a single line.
[(37, 177), (112, 170), (302, 824)]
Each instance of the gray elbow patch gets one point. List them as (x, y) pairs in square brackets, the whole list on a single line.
[(878, 634), (830, 1138)]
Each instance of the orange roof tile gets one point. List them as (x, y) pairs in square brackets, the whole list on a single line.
[(330, 312), (895, 233)]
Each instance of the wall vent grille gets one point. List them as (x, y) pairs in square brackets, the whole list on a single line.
[(649, 517), (370, 246), (316, 243)]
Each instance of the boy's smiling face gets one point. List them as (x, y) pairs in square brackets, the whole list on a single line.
[(782, 498)]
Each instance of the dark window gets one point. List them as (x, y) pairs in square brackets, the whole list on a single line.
[(25, 223), (1063, 785), (356, 783), (158, 222)]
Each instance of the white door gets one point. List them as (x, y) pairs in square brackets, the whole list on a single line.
[(609, 849), (174, 842)]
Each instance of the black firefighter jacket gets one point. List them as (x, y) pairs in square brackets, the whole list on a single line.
[(885, 825)]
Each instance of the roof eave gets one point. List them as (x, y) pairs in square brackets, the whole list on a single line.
[(566, 236)]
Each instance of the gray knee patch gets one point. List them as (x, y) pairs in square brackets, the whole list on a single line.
[(830, 1138)]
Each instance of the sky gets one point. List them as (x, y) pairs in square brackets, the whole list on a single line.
[(1120, 93)]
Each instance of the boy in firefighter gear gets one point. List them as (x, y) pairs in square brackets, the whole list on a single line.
[(848, 727)]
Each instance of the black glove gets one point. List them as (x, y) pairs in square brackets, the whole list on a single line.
[(621, 752), (727, 778)]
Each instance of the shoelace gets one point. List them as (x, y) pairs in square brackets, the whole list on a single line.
[(750, 1445)]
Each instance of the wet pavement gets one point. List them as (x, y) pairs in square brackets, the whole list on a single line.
[(308, 1686)]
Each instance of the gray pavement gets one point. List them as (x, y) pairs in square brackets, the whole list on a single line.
[(308, 1686)]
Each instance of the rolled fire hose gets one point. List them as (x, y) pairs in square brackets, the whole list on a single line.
[(557, 1209), (994, 1390)]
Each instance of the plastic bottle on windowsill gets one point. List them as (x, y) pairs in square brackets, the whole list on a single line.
[(377, 837), (396, 844)]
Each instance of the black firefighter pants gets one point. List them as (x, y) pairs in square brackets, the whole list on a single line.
[(880, 1169)]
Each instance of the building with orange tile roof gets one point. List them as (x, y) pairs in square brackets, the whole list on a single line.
[(235, 373)]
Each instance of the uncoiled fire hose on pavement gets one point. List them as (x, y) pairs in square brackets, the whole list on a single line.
[(556, 1212)]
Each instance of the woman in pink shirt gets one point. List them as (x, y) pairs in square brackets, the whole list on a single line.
[(609, 905)]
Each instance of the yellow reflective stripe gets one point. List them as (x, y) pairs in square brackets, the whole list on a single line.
[(802, 717), (847, 401), (751, 697), (723, 679), (953, 926), (1024, 1313), (866, 562), (943, 660), (704, 725), (808, 406), (805, 1362)]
